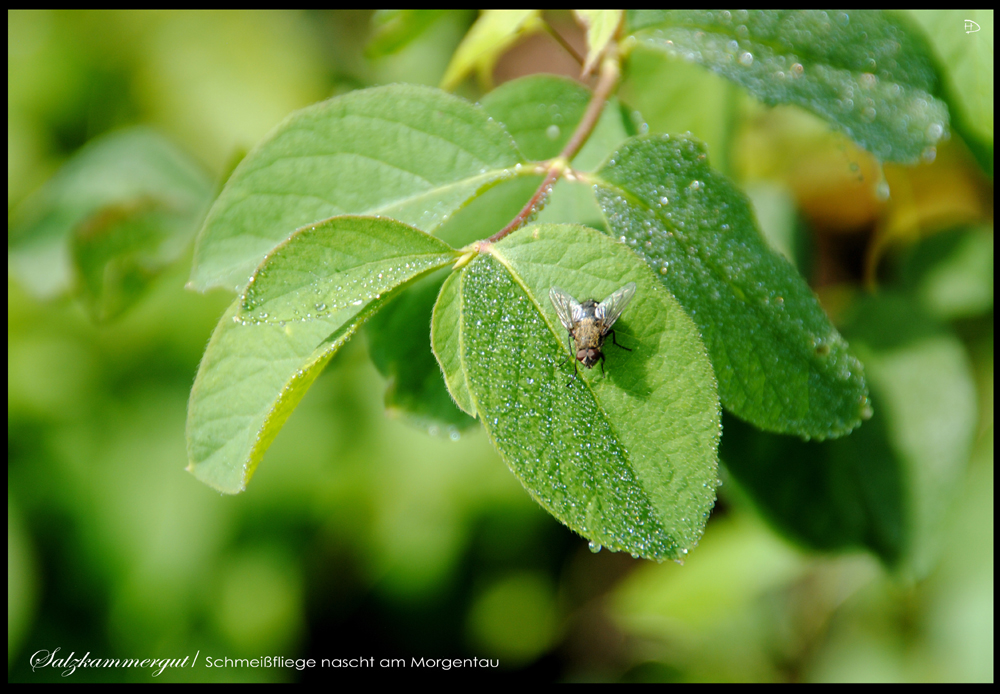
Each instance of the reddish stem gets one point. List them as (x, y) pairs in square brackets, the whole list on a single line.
[(606, 84)]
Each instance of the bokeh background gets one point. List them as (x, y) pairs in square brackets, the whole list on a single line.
[(363, 535)]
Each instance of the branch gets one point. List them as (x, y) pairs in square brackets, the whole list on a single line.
[(557, 167)]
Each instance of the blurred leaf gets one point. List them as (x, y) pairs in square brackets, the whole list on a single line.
[(539, 111), (832, 495), (572, 202), (781, 365), (966, 61), (492, 34), (774, 209), (865, 72), (306, 299), (921, 374), (411, 153), (21, 578), (952, 273), (132, 200), (927, 199), (886, 486), (516, 618), (121, 249), (676, 97), (601, 27), (400, 347), (627, 458), (689, 602), (489, 211), (395, 29), (542, 111)]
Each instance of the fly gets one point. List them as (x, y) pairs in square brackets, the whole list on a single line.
[(590, 323)]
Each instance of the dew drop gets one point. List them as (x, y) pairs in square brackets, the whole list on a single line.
[(882, 191)]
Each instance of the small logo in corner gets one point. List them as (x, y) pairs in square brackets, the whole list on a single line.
[(971, 27)]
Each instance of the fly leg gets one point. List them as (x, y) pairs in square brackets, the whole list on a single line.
[(576, 371), (627, 349)]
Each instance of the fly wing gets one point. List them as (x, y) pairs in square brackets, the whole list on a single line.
[(607, 311), (567, 308)]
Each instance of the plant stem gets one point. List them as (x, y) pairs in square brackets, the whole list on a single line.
[(533, 205), (562, 42), (606, 83)]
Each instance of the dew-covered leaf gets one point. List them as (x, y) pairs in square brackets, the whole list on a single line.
[(400, 347), (781, 364), (95, 202), (411, 153), (542, 111), (446, 339), (306, 299), (865, 72), (676, 97), (966, 62), (624, 455), (539, 111), (338, 265)]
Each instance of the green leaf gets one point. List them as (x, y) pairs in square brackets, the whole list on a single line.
[(492, 34), (601, 27), (411, 153), (921, 375), (102, 195), (886, 487), (396, 29), (966, 63), (865, 72), (400, 348), (542, 111), (306, 299), (121, 249), (951, 273), (446, 339), (489, 212), (626, 458), (338, 265), (833, 495), (539, 111), (781, 365), (676, 97)]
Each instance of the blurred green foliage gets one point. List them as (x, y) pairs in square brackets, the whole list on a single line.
[(362, 536)]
